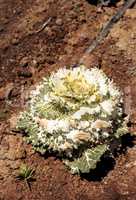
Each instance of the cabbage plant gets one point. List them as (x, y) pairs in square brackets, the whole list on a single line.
[(75, 113)]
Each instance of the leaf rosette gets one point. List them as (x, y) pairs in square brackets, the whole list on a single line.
[(75, 113)]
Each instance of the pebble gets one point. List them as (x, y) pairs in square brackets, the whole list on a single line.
[(34, 64), (15, 41), (59, 22)]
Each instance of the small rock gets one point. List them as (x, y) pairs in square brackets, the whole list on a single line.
[(15, 41), (59, 22), (34, 64)]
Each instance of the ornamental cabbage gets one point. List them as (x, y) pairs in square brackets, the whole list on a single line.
[(75, 113)]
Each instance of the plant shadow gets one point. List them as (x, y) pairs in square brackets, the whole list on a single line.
[(107, 163)]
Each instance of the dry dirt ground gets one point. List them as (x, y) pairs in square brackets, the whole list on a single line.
[(28, 51)]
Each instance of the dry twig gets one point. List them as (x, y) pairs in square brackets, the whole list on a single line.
[(107, 27), (44, 25)]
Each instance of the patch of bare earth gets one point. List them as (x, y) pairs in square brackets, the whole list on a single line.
[(26, 55)]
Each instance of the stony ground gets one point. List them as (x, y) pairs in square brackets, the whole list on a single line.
[(28, 51)]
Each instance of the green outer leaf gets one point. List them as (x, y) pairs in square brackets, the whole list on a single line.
[(121, 131), (88, 160)]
